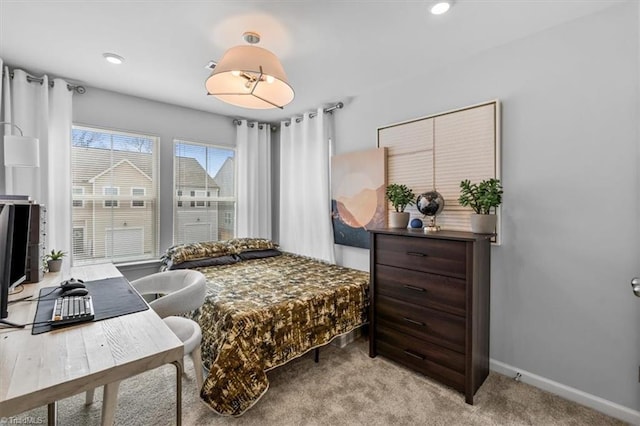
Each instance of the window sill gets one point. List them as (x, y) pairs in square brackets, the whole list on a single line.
[(138, 263)]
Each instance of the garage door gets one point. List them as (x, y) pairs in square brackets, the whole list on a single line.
[(124, 242)]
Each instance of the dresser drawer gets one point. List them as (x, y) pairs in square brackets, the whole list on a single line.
[(421, 349), (423, 323), (444, 257), (420, 288), (423, 365)]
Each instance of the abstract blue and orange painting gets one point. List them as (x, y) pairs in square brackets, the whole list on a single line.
[(358, 183)]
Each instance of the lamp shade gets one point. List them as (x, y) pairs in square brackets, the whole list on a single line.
[(250, 77), (21, 151)]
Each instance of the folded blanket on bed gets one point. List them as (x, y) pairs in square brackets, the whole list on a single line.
[(261, 313)]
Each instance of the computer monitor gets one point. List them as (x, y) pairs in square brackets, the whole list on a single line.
[(14, 241), (20, 244), (6, 245)]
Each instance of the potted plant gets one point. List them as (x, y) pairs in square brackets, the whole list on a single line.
[(482, 198), (54, 260), (400, 197)]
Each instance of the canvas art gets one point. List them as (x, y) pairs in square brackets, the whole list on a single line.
[(358, 182)]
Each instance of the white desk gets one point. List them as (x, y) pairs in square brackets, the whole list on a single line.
[(42, 369)]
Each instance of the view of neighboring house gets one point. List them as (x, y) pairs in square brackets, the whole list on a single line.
[(226, 209), (196, 216), (115, 212), (114, 203)]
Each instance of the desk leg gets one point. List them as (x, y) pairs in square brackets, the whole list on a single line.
[(52, 414), (109, 402), (88, 399), (179, 369)]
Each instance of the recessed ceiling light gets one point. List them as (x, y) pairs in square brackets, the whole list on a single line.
[(112, 58), (440, 7)]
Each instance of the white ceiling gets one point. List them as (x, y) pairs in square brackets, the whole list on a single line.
[(331, 50)]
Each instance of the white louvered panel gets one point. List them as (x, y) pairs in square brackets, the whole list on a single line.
[(455, 220), (464, 149), (407, 138), (413, 170)]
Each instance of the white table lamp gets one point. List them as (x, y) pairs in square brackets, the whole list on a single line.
[(21, 151)]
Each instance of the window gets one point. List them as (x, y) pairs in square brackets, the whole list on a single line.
[(77, 192), (111, 190), (137, 193), (204, 180), (77, 240), (114, 175), (199, 195)]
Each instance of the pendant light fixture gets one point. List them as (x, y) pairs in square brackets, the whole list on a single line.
[(250, 77)]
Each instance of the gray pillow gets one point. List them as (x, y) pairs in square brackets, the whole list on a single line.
[(259, 254), (201, 263)]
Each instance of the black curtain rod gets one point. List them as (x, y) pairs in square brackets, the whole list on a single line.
[(71, 87), (330, 109)]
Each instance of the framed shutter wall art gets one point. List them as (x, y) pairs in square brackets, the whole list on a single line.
[(438, 151)]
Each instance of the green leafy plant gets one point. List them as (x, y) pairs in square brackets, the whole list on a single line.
[(481, 197), (400, 196), (55, 255)]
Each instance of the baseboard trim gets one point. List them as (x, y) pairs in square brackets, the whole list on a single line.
[(599, 404)]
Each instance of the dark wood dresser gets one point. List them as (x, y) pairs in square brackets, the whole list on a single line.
[(430, 304)]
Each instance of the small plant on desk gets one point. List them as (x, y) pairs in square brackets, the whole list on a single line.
[(54, 260)]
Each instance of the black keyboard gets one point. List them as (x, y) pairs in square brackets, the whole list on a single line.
[(70, 309)]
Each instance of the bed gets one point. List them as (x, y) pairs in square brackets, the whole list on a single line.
[(264, 308)]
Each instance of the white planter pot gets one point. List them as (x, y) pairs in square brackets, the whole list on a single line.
[(54, 265), (398, 220), (483, 223)]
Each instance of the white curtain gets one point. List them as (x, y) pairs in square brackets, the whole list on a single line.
[(253, 153), (305, 201), (43, 112)]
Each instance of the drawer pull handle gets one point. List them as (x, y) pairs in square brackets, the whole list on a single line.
[(410, 287), (413, 354), (413, 321), (416, 253)]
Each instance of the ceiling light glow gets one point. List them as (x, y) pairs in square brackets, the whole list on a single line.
[(440, 7), (112, 58)]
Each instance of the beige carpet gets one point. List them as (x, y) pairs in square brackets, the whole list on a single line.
[(345, 388)]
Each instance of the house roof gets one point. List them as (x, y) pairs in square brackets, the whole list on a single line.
[(188, 169), (88, 163), (125, 161)]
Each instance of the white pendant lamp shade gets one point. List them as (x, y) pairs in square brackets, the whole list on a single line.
[(21, 151), (250, 77)]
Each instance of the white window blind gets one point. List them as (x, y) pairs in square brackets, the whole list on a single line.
[(114, 177), (204, 180)]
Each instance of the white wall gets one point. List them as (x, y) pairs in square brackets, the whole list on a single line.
[(561, 304), (112, 110)]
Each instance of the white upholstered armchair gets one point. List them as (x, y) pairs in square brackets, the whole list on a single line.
[(182, 291)]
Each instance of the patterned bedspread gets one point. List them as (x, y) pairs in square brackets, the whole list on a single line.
[(261, 313)]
